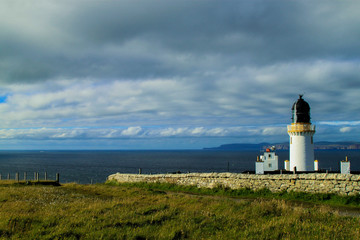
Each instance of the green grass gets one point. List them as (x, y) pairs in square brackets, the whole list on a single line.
[(157, 211), (320, 198)]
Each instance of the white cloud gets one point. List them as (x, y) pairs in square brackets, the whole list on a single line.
[(274, 131), (198, 131), (339, 123), (131, 131), (135, 132), (345, 129), (169, 132)]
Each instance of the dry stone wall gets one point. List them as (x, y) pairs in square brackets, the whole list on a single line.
[(342, 184)]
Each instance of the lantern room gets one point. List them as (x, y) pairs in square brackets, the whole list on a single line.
[(300, 111)]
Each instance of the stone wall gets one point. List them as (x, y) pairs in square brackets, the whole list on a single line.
[(343, 184)]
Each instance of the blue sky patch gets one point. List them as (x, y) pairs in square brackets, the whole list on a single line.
[(3, 99)]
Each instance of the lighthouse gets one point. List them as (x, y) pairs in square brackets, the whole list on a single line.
[(301, 133)]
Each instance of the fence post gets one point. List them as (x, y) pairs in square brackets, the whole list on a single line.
[(34, 176), (57, 178), (8, 176), (37, 176), (17, 176), (25, 176), (45, 176)]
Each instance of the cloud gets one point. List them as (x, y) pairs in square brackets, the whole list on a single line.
[(345, 129), (340, 123), (176, 68), (131, 131), (238, 96), (126, 39), (274, 131)]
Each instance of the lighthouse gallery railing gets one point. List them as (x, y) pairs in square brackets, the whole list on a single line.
[(301, 128)]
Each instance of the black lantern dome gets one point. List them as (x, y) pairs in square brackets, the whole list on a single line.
[(300, 111)]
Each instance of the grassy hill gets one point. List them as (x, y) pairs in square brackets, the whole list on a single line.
[(102, 211)]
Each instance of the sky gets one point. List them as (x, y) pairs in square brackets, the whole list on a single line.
[(180, 74)]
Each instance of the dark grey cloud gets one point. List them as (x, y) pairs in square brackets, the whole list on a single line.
[(141, 39)]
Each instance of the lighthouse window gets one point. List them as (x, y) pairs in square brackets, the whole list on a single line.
[(270, 165)]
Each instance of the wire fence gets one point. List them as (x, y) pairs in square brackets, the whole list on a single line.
[(25, 177)]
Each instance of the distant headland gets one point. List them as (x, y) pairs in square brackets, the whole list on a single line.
[(285, 146)]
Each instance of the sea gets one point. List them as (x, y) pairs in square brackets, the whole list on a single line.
[(86, 167)]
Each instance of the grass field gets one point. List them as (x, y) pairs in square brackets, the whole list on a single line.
[(142, 211)]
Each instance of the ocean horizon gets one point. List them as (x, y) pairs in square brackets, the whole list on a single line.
[(94, 166)]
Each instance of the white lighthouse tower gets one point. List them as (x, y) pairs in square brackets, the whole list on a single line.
[(301, 133)]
